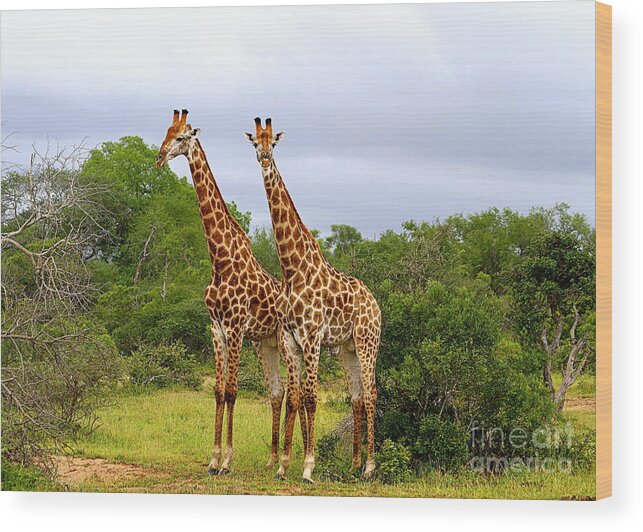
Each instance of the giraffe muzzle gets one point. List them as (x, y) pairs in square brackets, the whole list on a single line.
[(160, 160)]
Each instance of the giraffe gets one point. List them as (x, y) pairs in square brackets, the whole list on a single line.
[(240, 298), (319, 306)]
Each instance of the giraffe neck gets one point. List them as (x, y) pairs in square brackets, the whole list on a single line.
[(296, 246), (220, 228)]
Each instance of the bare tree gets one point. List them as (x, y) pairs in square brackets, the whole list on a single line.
[(55, 362), (573, 365)]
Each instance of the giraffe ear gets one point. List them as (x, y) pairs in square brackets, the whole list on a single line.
[(249, 137), (195, 132), (278, 137)]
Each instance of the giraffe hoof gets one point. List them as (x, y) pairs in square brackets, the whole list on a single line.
[(280, 477), (306, 481), (224, 471), (213, 472)]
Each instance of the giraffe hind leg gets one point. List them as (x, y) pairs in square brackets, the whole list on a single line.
[(351, 365), (367, 346), (268, 354), (234, 343), (290, 353), (221, 369)]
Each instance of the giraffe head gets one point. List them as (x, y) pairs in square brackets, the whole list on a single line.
[(264, 141), (179, 139)]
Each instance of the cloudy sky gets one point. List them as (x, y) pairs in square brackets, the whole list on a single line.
[(391, 112)]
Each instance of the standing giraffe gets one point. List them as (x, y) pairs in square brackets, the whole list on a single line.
[(241, 296), (320, 306)]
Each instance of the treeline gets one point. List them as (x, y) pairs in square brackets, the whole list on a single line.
[(483, 313)]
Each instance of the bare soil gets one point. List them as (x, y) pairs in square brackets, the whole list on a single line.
[(76, 470), (580, 404)]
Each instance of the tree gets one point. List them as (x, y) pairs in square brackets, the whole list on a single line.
[(343, 239), (127, 171), (56, 360), (154, 274), (554, 301), (445, 366), (265, 249)]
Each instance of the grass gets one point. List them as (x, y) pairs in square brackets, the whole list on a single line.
[(169, 434), (585, 385)]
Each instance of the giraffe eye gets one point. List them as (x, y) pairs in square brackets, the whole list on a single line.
[(180, 138), (255, 144)]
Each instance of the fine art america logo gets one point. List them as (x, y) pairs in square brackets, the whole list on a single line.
[(518, 449)]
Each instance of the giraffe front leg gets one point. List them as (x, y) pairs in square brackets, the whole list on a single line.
[(220, 359), (234, 356)]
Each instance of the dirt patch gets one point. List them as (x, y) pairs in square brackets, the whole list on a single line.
[(580, 404), (74, 470)]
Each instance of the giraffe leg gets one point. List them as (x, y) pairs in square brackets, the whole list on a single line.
[(234, 342), (289, 351), (350, 363), (269, 357), (311, 360), (303, 419), (367, 344), (221, 368)]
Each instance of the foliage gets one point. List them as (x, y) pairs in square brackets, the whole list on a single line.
[(333, 458), (57, 360), (127, 170), (393, 463), (163, 365), (554, 296), (250, 377), (441, 443), (455, 367), (265, 249)]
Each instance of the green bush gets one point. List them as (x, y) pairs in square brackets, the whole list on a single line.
[(333, 458), (164, 365), (393, 463), (250, 377), (441, 443), (456, 368), (571, 451)]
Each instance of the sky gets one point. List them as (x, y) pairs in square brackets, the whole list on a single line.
[(391, 112)]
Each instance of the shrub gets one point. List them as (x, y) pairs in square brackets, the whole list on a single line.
[(571, 451), (441, 443), (333, 458), (393, 463), (251, 377), (164, 365), (456, 368), (330, 368), (52, 386)]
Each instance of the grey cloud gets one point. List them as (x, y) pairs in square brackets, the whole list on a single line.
[(392, 112)]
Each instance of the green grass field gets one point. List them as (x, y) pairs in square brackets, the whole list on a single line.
[(160, 442)]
